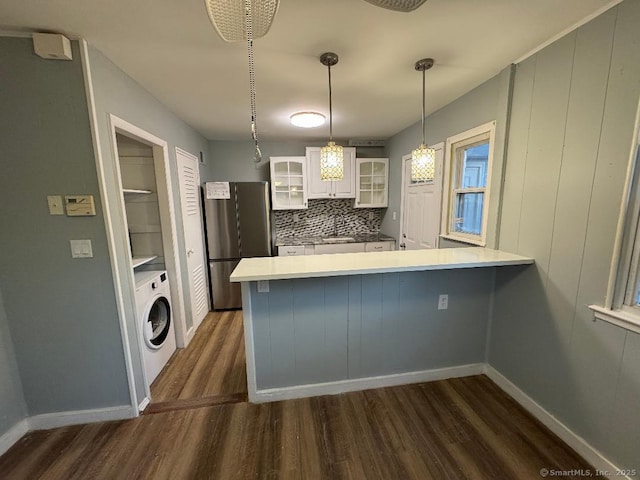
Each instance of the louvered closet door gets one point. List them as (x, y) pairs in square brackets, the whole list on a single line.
[(189, 179)]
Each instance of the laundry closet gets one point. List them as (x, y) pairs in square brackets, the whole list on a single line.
[(141, 204), (154, 312)]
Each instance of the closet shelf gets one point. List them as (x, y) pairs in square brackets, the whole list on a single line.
[(138, 261), (136, 191)]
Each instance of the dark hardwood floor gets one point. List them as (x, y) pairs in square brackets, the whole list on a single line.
[(210, 371), (463, 428), (199, 426)]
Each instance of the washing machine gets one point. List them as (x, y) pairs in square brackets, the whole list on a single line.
[(155, 320)]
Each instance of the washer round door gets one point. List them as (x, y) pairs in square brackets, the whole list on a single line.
[(156, 323)]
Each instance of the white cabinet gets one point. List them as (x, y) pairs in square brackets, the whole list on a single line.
[(372, 182), (295, 250), (318, 188), (288, 183), (380, 246), (339, 248)]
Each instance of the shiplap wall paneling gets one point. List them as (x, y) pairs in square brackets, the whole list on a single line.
[(310, 331), (354, 327), (585, 93), (549, 103), (336, 338), (517, 155), (261, 329), (625, 426), (587, 96), (282, 332), (597, 347), (372, 341), (591, 64)]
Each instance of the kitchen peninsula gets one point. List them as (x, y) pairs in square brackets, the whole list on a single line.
[(331, 323)]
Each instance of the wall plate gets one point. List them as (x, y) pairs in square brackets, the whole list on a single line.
[(80, 205)]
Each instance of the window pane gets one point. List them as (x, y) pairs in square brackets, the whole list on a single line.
[(469, 213), (281, 168), (474, 166), (295, 168)]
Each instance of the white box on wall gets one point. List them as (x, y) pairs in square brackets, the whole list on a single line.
[(52, 46)]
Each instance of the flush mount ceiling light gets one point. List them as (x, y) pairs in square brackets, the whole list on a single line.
[(397, 5), (423, 158), (244, 20), (331, 156), (307, 119)]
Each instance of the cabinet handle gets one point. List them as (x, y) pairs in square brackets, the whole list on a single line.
[(377, 248), (291, 252)]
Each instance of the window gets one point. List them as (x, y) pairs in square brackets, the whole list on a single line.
[(622, 303), (467, 181)]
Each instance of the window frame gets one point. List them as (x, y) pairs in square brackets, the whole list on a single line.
[(451, 189), (621, 302)]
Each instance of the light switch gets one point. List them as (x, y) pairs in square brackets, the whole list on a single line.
[(81, 249), (55, 205)]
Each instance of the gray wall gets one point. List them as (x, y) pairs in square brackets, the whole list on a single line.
[(233, 161), (118, 94), (572, 124), (318, 330), (483, 104), (61, 311), (12, 406)]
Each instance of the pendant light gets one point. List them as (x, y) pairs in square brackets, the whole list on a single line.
[(331, 155), (244, 20), (398, 5), (423, 158)]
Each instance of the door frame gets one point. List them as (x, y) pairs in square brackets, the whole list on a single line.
[(405, 158), (161, 165)]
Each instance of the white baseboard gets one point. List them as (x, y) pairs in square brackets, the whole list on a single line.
[(586, 451), (144, 404), (14, 434), (342, 386), (63, 419)]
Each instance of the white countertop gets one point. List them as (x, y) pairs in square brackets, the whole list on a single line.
[(337, 264)]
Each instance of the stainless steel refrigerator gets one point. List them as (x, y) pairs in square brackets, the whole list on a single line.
[(237, 225)]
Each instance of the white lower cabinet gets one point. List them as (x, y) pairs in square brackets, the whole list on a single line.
[(339, 248), (320, 249), (380, 246), (293, 250)]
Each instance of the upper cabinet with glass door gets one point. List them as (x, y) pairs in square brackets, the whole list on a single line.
[(372, 182), (288, 183)]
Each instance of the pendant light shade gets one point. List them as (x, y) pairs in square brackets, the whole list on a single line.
[(423, 158), (398, 5), (423, 164), (331, 155)]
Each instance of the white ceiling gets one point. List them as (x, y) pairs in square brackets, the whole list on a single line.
[(171, 49)]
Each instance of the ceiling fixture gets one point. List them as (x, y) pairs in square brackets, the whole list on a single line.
[(397, 5), (307, 119), (423, 158), (331, 155), (244, 20)]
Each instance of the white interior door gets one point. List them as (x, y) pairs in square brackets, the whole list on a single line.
[(189, 180), (421, 207)]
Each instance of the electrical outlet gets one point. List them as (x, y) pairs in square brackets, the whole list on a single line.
[(394, 216), (296, 217), (370, 215), (443, 302), (263, 286)]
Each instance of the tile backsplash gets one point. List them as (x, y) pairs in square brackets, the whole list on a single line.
[(318, 219)]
